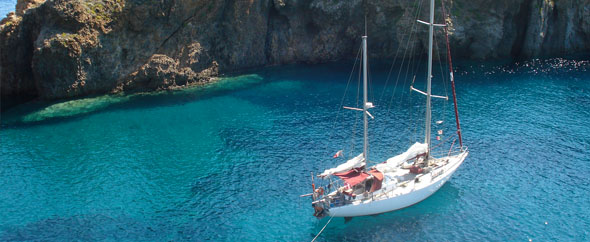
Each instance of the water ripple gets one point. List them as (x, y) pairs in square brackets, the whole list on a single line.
[(229, 163)]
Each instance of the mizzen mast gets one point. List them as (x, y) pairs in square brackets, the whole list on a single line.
[(452, 78)]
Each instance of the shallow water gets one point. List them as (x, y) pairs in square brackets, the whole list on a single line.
[(228, 161)]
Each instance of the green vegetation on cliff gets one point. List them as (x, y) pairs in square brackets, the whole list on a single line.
[(72, 48)]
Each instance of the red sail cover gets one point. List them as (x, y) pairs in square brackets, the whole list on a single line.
[(352, 177), (377, 181)]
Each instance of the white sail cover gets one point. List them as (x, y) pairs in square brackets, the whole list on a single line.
[(393, 163), (355, 162)]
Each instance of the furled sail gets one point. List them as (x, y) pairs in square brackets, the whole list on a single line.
[(355, 162), (392, 163)]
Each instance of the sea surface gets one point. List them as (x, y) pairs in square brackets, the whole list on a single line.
[(6, 6), (228, 161)]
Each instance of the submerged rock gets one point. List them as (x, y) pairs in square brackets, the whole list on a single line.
[(71, 48)]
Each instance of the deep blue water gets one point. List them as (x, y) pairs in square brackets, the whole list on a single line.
[(227, 162), (6, 6)]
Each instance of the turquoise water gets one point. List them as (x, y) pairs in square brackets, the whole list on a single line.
[(228, 161), (6, 6)]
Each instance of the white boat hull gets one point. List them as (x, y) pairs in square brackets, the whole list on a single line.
[(401, 197)]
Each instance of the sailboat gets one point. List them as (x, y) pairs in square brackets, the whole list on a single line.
[(400, 181)]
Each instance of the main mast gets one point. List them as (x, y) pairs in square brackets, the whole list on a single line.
[(428, 91), (365, 107)]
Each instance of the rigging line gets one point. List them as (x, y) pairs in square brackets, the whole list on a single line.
[(314, 238), (358, 91), (442, 72), (442, 76), (407, 71), (396, 82), (440, 63), (444, 81), (410, 114), (389, 105), (412, 119), (395, 58), (404, 55), (350, 78), (412, 32), (412, 64), (416, 68), (371, 97), (447, 139), (419, 6), (342, 99), (411, 57), (358, 87), (389, 73), (445, 103)]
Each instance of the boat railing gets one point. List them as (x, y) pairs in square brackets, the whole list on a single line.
[(343, 199), (448, 153), (453, 150)]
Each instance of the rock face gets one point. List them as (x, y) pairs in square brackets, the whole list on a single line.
[(69, 48)]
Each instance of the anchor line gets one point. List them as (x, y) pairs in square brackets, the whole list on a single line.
[(331, 217)]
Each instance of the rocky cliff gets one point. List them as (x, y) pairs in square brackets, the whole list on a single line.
[(69, 48)]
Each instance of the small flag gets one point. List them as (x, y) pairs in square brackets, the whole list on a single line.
[(440, 132), (338, 154), (437, 137)]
